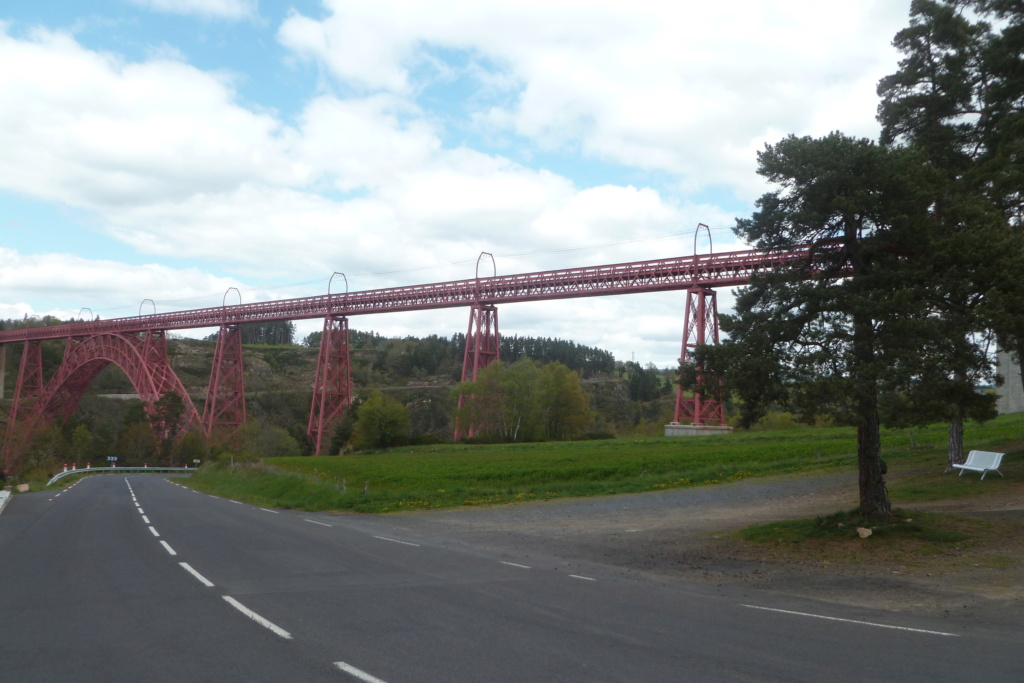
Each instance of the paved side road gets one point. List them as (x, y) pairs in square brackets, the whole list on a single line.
[(141, 579)]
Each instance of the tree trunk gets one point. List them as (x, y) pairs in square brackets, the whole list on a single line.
[(874, 495), (955, 451)]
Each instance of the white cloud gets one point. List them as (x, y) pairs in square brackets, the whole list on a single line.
[(93, 131), (220, 9), (107, 288), (689, 89), (367, 179), (171, 164), (365, 143)]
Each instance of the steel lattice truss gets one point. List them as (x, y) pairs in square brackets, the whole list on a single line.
[(731, 269), (138, 345)]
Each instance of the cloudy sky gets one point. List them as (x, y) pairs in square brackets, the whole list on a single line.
[(171, 149)]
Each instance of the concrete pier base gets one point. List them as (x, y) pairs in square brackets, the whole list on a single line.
[(676, 429)]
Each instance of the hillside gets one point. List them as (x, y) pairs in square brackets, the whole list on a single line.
[(420, 373)]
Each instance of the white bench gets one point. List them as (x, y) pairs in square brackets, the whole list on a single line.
[(982, 461)]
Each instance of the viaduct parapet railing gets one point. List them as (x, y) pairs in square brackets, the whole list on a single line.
[(137, 344)]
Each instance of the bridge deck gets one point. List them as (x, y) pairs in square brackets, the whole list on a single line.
[(730, 269)]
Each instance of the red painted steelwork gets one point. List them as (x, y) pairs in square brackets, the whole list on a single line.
[(482, 349), (26, 395), (482, 341), (142, 358), (711, 270), (701, 327), (332, 389), (225, 397), (30, 378)]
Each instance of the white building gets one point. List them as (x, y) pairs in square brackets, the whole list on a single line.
[(1011, 394)]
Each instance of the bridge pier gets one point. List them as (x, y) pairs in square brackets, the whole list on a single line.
[(332, 387), (482, 349), (700, 328), (224, 411), (27, 392)]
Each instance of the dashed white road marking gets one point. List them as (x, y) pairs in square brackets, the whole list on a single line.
[(274, 511), (154, 532), (145, 519), (853, 621), (395, 540), (237, 502), (313, 521), (257, 618), (513, 564), (168, 548), (584, 578), (202, 579), (358, 673)]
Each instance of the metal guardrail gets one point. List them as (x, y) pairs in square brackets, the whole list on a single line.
[(115, 470)]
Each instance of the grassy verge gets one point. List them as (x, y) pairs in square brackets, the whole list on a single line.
[(912, 541), (903, 526), (459, 475)]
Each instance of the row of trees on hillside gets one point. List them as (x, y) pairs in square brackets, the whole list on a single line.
[(588, 361), (435, 355), (917, 245)]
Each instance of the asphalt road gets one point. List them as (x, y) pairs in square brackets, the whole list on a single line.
[(140, 579)]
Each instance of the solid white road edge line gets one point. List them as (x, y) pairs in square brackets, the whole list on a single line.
[(584, 578), (395, 540), (154, 532), (257, 618), (358, 673), (312, 521), (168, 548), (513, 564), (202, 579), (853, 621)]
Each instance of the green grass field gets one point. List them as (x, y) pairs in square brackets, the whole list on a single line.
[(458, 475)]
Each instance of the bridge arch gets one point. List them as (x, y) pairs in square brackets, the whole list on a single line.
[(142, 358)]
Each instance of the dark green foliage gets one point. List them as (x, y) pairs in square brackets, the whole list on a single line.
[(957, 100), (382, 422), (585, 360), (191, 446), (278, 332), (828, 337), (343, 431), (645, 383), (298, 431)]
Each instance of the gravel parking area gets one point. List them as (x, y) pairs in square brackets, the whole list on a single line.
[(685, 534)]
